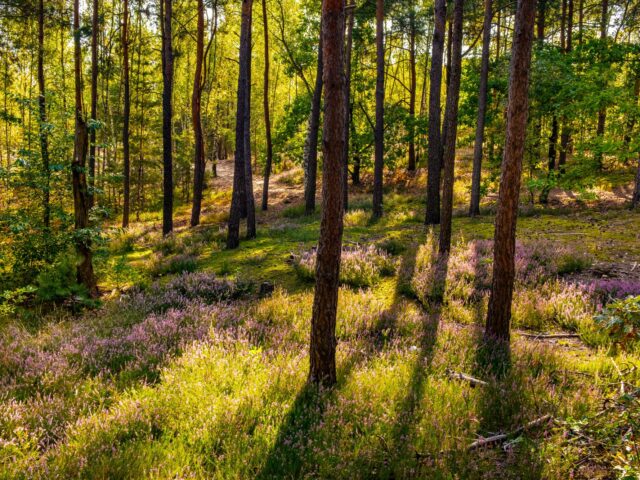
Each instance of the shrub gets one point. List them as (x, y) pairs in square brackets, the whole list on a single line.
[(122, 242), (181, 263), (58, 282), (355, 218), (392, 246), (621, 320)]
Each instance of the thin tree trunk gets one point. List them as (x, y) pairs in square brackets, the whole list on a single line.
[(323, 322), (602, 113), (94, 99), (85, 273), (451, 120), (378, 166), (499, 312), (248, 175), (474, 208), (126, 204), (43, 129), (239, 196), (435, 146), (412, 94), (167, 116), (347, 104), (565, 136), (267, 116), (196, 119), (311, 142)]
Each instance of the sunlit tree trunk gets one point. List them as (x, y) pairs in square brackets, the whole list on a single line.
[(126, 114), (167, 115), (378, 167), (412, 93), (325, 303), (267, 116), (43, 129), (499, 313), (196, 120), (94, 98), (311, 142)]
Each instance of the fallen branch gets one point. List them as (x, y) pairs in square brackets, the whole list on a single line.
[(467, 378), (483, 442), (549, 336)]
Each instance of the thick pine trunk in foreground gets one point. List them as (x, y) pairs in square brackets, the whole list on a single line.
[(311, 142), (325, 302), (42, 111), (196, 120), (267, 116), (126, 114), (239, 195), (451, 121), (435, 147), (167, 115), (378, 166), (499, 313), (81, 207), (474, 207)]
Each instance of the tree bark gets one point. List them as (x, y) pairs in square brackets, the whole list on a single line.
[(435, 147), (378, 166), (126, 206), (81, 207), (474, 208), (347, 104), (311, 142), (451, 121), (167, 116), (602, 113), (196, 120), (239, 195), (565, 136), (323, 322), (267, 116), (248, 174), (94, 99), (499, 312), (43, 129), (412, 94)]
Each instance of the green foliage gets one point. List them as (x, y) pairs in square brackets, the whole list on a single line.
[(621, 320), (58, 282)]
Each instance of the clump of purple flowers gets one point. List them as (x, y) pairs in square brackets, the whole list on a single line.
[(603, 290)]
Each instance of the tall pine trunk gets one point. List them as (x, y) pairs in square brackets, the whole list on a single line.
[(602, 113), (94, 98), (311, 141), (196, 120), (325, 302), (267, 116), (126, 205), (248, 175), (347, 104), (474, 207), (451, 121), (43, 130), (435, 146), (81, 207), (499, 313), (167, 116), (378, 166), (412, 93)]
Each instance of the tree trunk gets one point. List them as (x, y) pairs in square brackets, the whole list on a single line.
[(451, 121), (435, 146), (565, 136), (239, 196), (602, 113), (474, 208), (311, 142), (167, 116), (94, 99), (378, 166), (85, 273), (196, 120), (499, 312), (248, 174), (412, 95), (126, 205), (323, 322), (267, 116), (43, 130), (347, 105)]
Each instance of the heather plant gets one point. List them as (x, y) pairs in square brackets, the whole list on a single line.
[(621, 320), (360, 266)]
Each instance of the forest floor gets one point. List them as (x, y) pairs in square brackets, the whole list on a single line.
[(187, 371)]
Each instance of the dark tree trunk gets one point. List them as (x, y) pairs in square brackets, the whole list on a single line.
[(435, 146), (248, 174), (635, 200), (267, 116), (196, 120), (412, 95), (553, 142), (347, 105), (602, 113), (499, 312), (474, 208), (451, 121), (81, 207), (239, 196), (311, 142), (325, 302), (126, 116), (43, 130), (94, 99), (565, 136), (167, 115), (378, 166), (447, 70)]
